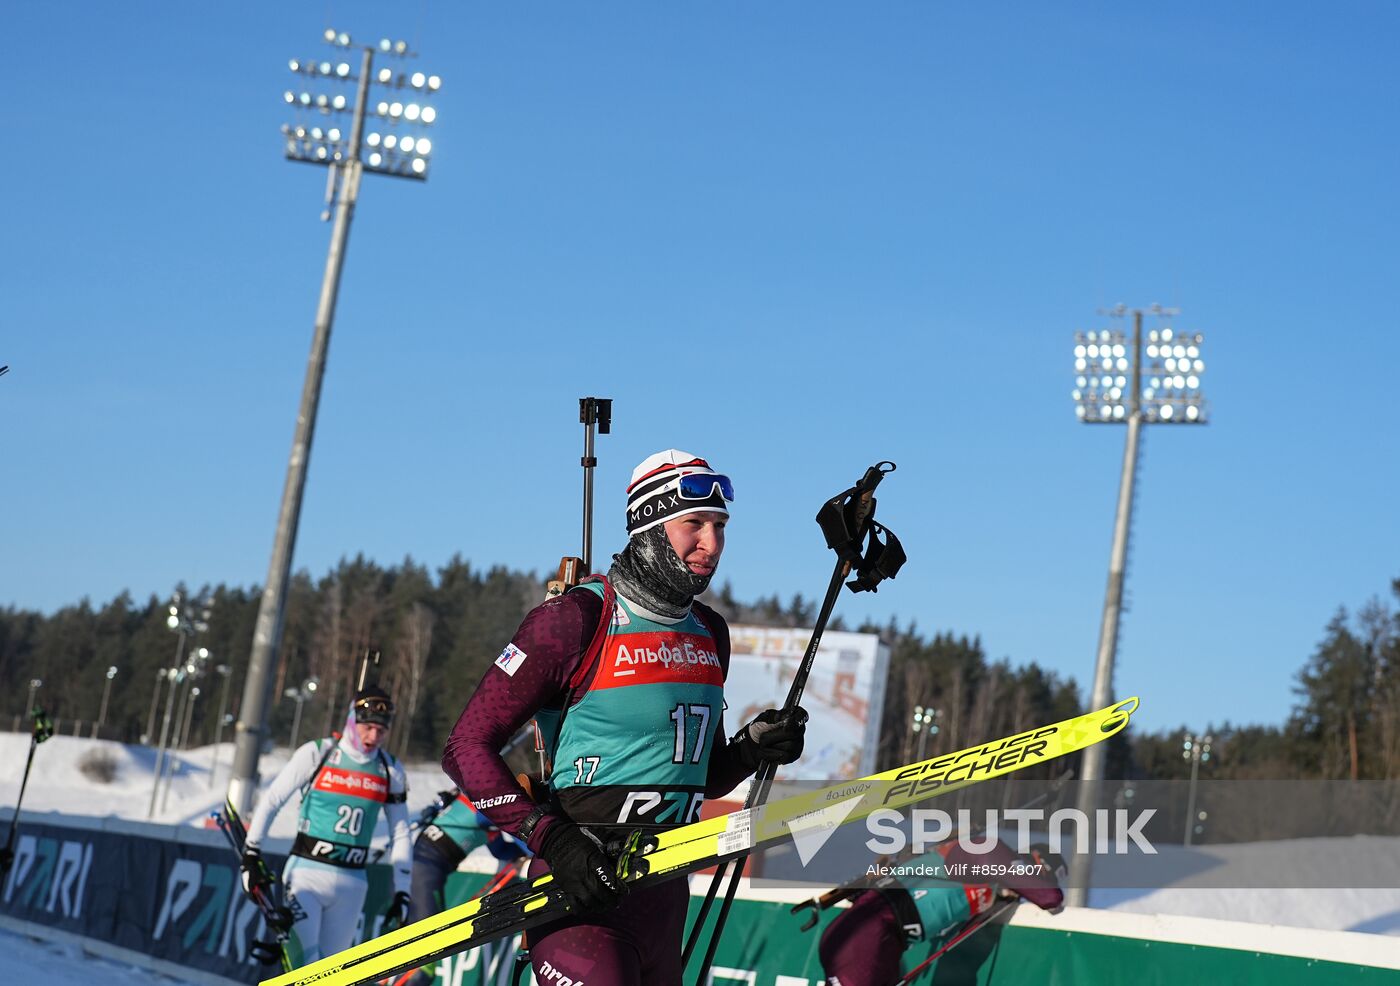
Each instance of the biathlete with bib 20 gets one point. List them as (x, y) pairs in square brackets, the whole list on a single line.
[(344, 784)]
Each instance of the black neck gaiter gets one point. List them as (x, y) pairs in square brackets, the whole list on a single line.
[(648, 572)]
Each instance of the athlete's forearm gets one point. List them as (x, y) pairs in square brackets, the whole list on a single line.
[(533, 672), (401, 856)]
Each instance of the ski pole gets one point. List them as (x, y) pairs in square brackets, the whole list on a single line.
[(522, 962), (758, 793), (968, 930), (43, 729), (846, 520), (852, 512), (274, 917)]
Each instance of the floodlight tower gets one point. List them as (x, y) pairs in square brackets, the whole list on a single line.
[(1196, 749), (1116, 382), (186, 618), (396, 145)]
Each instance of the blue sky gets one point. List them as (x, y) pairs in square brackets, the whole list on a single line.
[(794, 238)]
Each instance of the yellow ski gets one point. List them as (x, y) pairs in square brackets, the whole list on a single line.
[(693, 847)]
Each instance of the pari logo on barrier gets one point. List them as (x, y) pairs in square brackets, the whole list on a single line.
[(202, 906), (49, 875)]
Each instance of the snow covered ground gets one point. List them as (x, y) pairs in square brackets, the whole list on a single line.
[(58, 782), (1203, 888), (31, 961)]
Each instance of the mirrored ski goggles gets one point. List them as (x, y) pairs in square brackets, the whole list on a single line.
[(702, 486), (373, 710)]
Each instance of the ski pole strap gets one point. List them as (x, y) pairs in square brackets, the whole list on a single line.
[(847, 521), (634, 844)]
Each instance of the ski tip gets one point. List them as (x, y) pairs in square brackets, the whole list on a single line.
[(1118, 715)]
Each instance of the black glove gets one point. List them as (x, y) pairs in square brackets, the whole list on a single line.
[(773, 736), (436, 807), (280, 918), (581, 868), (256, 878), (396, 915)]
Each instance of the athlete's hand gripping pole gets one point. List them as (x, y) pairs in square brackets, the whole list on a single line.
[(257, 882), (581, 870)]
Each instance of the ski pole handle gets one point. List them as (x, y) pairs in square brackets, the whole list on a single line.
[(814, 904), (864, 506)]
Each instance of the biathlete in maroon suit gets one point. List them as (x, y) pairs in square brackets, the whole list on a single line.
[(626, 678), (865, 945)]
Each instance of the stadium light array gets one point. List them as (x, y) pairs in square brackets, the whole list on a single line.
[(396, 115), (1111, 365)]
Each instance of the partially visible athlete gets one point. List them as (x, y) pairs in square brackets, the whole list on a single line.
[(343, 785), (865, 945)]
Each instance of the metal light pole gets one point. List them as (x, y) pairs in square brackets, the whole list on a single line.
[(184, 733), (184, 712), (150, 732), (182, 693), (300, 696), (189, 718), (196, 669), (226, 673), (185, 620), (175, 675), (1114, 385), (392, 153), (106, 692), (1195, 749)]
